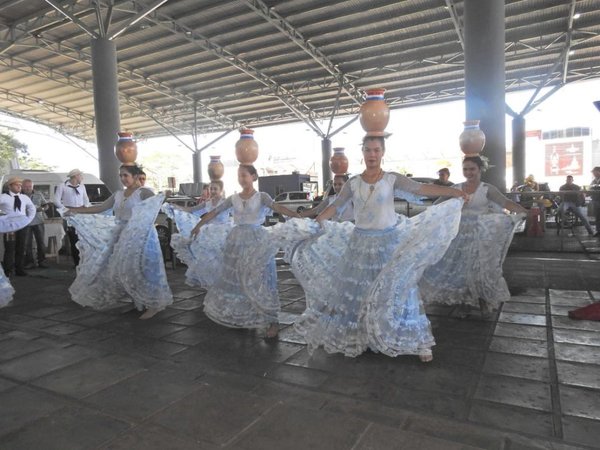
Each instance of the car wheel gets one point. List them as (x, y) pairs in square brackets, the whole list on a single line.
[(300, 209)]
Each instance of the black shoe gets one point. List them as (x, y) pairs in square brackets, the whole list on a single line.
[(20, 273), (42, 265), (597, 234), (29, 266)]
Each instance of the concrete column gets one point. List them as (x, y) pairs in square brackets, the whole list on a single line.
[(518, 148), (484, 80), (197, 167), (106, 107), (326, 152)]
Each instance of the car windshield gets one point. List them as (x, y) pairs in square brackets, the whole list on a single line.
[(97, 193)]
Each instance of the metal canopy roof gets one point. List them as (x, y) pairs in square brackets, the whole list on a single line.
[(221, 64)]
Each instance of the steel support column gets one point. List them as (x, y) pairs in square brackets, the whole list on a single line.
[(518, 149), (106, 107), (326, 152), (484, 36), (197, 166)]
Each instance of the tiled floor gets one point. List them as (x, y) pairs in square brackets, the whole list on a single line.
[(72, 378)]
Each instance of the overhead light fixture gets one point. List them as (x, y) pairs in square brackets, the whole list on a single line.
[(576, 16), (572, 52), (188, 33)]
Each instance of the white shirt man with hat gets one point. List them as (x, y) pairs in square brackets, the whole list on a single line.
[(72, 194), (15, 204)]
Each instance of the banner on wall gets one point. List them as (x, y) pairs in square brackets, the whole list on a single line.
[(565, 158)]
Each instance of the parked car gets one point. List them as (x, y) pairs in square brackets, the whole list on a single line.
[(411, 209), (296, 200)]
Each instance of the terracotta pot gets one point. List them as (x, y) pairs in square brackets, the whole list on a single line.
[(126, 148), (215, 168), (338, 162), (246, 149), (374, 113), (472, 139)]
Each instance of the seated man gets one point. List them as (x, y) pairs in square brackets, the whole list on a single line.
[(573, 200)]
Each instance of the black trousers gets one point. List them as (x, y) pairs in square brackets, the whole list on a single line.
[(37, 232), (14, 251), (597, 214), (73, 238)]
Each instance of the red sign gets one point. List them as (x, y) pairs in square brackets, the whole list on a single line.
[(565, 158)]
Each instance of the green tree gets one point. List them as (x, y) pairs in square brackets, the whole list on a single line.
[(14, 151)]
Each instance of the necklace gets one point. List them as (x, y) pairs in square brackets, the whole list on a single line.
[(371, 187)]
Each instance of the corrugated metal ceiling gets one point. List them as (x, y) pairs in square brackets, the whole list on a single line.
[(256, 62)]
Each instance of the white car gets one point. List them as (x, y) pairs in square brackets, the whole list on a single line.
[(295, 200)]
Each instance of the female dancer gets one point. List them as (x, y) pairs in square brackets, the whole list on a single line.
[(245, 294), (203, 257), (344, 213), (121, 255), (470, 272), (361, 281)]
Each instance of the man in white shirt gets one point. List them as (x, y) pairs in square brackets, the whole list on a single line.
[(13, 203), (71, 194)]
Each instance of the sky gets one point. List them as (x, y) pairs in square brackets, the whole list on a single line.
[(423, 139)]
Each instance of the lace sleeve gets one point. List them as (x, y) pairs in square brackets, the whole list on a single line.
[(227, 203), (198, 207), (494, 195), (405, 184), (344, 195), (146, 193), (266, 200)]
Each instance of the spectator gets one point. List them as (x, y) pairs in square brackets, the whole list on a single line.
[(72, 194), (35, 229), (14, 203), (443, 178), (573, 200)]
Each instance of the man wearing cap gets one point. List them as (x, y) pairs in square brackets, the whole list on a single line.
[(14, 203), (595, 188), (443, 178), (72, 194)]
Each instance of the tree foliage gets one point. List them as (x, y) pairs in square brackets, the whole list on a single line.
[(15, 151)]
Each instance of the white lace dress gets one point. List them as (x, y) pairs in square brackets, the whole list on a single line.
[(121, 257), (204, 255), (361, 281), (9, 224), (245, 293), (471, 267)]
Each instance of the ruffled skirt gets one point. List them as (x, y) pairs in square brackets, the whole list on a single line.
[(121, 260), (202, 255), (361, 285), (245, 293), (471, 268), (6, 290)]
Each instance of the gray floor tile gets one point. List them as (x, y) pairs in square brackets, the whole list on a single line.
[(580, 402), (154, 437), (6, 384), (539, 299), (519, 366), (70, 428), (198, 415), (577, 374), (13, 348), (576, 337), (506, 417), (520, 331), (565, 322), (62, 329), (526, 308), (42, 362), (515, 392), (524, 319), (298, 375), (581, 431), (90, 376), (380, 437), (527, 347), (577, 353), (142, 395), (23, 405), (298, 428)]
